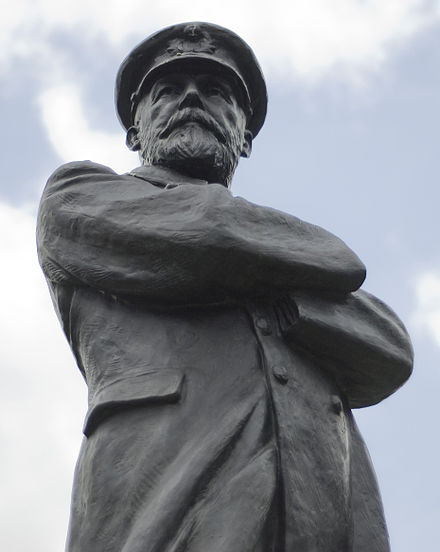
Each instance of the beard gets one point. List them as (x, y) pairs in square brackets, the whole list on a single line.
[(194, 150)]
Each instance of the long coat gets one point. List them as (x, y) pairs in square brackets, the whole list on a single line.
[(224, 345)]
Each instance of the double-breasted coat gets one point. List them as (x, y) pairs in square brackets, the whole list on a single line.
[(223, 345)]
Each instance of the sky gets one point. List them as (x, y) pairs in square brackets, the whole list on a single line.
[(351, 143)]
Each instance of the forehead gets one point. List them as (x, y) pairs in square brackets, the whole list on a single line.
[(203, 78)]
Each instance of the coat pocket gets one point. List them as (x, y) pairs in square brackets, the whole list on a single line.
[(162, 386)]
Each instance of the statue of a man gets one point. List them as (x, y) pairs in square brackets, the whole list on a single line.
[(224, 344)]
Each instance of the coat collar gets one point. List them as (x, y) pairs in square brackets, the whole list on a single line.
[(162, 176)]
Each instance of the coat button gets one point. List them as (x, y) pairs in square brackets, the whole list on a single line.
[(263, 325), (280, 372)]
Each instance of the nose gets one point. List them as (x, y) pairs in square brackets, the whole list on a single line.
[(191, 97)]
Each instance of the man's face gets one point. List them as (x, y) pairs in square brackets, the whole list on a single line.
[(193, 123)]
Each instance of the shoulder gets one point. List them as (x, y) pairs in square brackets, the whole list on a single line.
[(81, 173), (79, 168)]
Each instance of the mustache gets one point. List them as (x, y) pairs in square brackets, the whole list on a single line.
[(193, 115)]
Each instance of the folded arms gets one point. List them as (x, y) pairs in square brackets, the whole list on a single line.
[(198, 244)]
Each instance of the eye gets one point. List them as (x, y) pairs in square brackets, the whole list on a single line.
[(164, 90), (214, 90)]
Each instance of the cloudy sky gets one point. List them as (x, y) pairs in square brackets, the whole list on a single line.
[(351, 143)]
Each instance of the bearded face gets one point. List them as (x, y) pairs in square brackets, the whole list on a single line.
[(193, 124)]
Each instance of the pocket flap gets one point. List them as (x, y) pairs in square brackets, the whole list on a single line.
[(159, 386)]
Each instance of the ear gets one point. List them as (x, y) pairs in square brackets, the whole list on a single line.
[(132, 139), (247, 144)]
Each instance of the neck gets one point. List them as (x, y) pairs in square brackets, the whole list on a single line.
[(164, 175), (193, 171)]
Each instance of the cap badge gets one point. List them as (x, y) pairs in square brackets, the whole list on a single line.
[(194, 40)]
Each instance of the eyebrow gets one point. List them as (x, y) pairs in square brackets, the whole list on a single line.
[(178, 77), (219, 80)]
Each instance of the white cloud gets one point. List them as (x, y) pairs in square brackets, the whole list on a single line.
[(296, 38), (71, 136), (305, 40), (427, 314), (42, 395)]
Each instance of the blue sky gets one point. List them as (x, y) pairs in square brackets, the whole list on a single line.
[(351, 143)]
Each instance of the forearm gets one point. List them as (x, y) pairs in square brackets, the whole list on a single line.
[(123, 235), (360, 341)]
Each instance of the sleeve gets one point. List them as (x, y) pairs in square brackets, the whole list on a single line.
[(121, 234), (361, 342)]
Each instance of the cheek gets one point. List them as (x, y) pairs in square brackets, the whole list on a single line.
[(235, 126), (157, 113), (153, 118), (232, 118), (149, 122), (235, 119)]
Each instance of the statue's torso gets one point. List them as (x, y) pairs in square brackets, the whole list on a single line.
[(257, 436)]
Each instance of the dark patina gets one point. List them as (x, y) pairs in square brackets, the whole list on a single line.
[(223, 343)]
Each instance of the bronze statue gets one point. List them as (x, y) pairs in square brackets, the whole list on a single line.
[(224, 344)]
